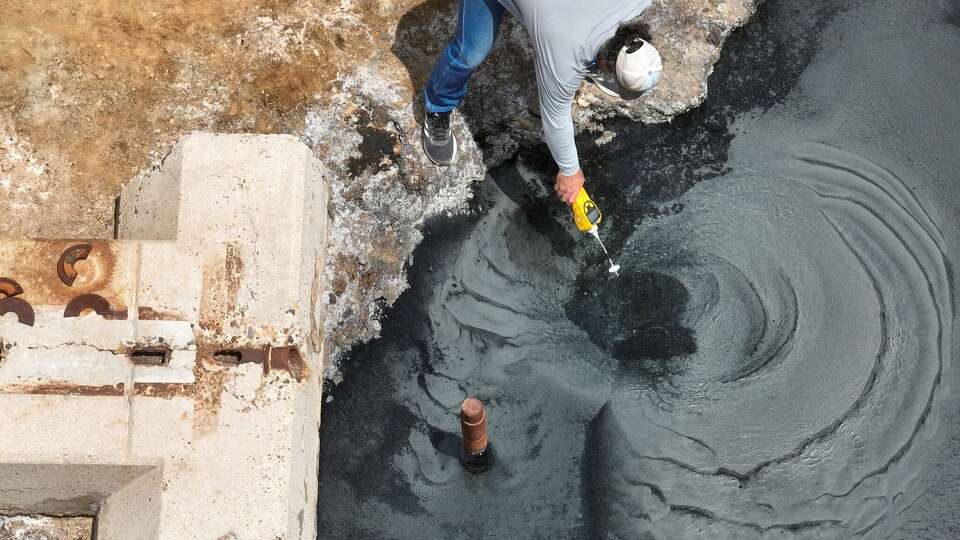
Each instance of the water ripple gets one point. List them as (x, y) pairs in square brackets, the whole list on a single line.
[(818, 361)]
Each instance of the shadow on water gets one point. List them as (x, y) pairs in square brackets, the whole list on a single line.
[(365, 425), (952, 12), (543, 214), (636, 317)]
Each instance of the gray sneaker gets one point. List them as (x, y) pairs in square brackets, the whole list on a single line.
[(439, 143)]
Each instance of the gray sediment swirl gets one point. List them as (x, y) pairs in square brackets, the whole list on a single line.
[(862, 319)]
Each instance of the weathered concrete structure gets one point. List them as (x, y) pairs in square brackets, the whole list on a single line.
[(168, 382)]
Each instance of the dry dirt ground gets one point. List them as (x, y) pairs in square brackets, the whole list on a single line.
[(92, 92)]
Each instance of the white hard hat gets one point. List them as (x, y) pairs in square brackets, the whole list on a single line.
[(638, 66), (638, 70)]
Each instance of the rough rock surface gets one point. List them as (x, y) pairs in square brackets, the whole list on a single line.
[(92, 94), (45, 528)]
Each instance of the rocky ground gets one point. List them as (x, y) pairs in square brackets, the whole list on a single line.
[(45, 528), (93, 94)]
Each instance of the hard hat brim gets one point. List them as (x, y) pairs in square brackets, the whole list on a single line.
[(611, 87)]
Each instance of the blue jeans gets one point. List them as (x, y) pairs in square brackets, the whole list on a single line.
[(477, 26)]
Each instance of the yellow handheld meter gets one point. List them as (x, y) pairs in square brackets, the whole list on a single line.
[(587, 216), (585, 212)]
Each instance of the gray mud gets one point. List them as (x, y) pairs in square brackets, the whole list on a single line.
[(775, 359)]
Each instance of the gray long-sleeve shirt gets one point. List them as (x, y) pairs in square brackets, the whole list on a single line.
[(566, 36)]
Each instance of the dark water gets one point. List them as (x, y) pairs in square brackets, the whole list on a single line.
[(775, 359)]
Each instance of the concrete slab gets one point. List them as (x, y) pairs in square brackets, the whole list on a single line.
[(187, 405)]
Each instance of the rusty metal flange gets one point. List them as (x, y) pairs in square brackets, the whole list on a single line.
[(65, 266), (19, 306), (96, 303), (9, 287)]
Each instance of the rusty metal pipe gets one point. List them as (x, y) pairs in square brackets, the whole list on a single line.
[(473, 424), (476, 455)]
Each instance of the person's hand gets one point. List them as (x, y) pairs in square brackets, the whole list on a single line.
[(567, 187)]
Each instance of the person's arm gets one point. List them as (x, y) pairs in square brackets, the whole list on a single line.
[(558, 132), (556, 102)]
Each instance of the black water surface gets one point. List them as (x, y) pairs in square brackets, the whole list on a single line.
[(370, 425), (635, 317), (774, 359)]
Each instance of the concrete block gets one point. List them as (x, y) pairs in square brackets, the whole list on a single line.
[(170, 283), (253, 208), (132, 511), (45, 425), (199, 388), (64, 364), (150, 204), (63, 489)]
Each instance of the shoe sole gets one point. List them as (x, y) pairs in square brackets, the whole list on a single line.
[(435, 162)]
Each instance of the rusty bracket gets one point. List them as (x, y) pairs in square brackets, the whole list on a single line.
[(243, 355), (271, 358), (287, 359), (96, 303), (65, 266), (10, 288), (19, 306)]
